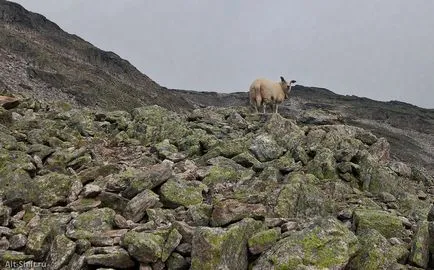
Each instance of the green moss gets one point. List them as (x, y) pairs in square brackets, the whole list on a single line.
[(319, 254), (183, 192), (263, 240), (145, 247), (13, 256), (389, 225), (95, 220), (376, 252), (51, 189), (328, 244), (219, 174)]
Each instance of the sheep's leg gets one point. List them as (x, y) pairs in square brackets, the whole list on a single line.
[(264, 107), (276, 107)]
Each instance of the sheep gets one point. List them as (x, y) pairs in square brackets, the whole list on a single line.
[(263, 91)]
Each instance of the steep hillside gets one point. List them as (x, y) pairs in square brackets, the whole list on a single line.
[(39, 59)]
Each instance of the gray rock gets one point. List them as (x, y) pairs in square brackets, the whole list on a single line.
[(229, 211), (93, 173), (83, 205), (43, 232), (263, 240), (376, 252), (217, 248), (90, 191), (184, 249), (149, 179), (121, 222), (401, 168), (181, 192), (5, 231), (265, 148), (289, 226), (419, 253), (389, 225), (115, 257), (17, 241), (172, 241), (136, 207), (199, 214), (144, 247), (177, 262), (5, 215), (61, 252), (326, 244), (4, 243), (96, 220), (387, 197), (113, 201)]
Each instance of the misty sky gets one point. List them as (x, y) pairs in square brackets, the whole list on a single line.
[(381, 49)]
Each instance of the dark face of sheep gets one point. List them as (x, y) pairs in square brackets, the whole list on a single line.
[(286, 86)]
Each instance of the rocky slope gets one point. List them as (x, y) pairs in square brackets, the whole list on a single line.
[(40, 60), (111, 180), (215, 188)]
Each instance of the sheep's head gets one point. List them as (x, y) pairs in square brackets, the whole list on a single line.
[(286, 86)]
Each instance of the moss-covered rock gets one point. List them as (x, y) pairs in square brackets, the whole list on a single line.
[(95, 220), (84, 204), (226, 170), (302, 196), (328, 244), (40, 237), (232, 147), (323, 165), (136, 207), (177, 262), (61, 251), (389, 225), (376, 252), (285, 131), (94, 172), (172, 241), (199, 214), (181, 192), (113, 257), (8, 141), (419, 253), (51, 189), (5, 215), (227, 211), (246, 159), (144, 247), (167, 150), (139, 180), (262, 241), (153, 124), (9, 256), (265, 148), (16, 187), (197, 143), (217, 248), (120, 118)]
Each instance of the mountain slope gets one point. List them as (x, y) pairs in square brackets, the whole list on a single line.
[(39, 59), (53, 64)]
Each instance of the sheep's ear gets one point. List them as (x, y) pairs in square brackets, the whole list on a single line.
[(282, 79), (293, 81)]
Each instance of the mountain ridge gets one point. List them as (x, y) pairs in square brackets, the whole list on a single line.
[(39, 59)]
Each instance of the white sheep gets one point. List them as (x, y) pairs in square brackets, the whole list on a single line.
[(263, 91)]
